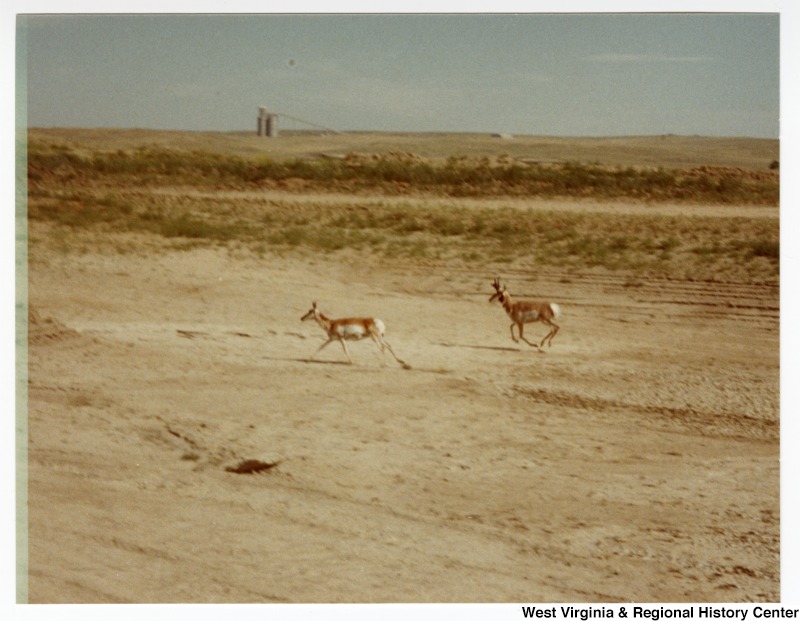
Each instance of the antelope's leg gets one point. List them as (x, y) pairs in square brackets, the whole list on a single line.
[(379, 343), (346, 353), (389, 347), (523, 338), (514, 338), (556, 328), (384, 346), (549, 336), (321, 347)]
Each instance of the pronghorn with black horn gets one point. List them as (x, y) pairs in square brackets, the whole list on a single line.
[(351, 329), (527, 312)]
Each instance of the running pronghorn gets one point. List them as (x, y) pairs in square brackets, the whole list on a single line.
[(351, 329), (527, 312)]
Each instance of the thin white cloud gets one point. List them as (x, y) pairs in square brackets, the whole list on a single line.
[(645, 58)]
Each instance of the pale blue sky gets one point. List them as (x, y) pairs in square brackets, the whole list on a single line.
[(540, 74)]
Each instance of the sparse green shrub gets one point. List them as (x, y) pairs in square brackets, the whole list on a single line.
[(770, 249), (456, 177), (196, 228), (142, 190), (448, 225)]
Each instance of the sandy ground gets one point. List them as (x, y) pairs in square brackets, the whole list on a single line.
[(636, 460)]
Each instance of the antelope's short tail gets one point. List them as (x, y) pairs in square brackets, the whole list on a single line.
[(556, 310)]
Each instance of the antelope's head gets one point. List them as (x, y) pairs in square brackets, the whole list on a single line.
[(500, 294), (313, 313)]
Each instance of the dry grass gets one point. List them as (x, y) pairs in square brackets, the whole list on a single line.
[(84, 194), (643, 245)]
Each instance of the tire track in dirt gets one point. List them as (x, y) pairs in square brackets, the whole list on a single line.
[(729, 297), (725, 424)]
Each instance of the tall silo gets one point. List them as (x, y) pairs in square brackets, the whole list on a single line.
[(272, 126), (263, 121), (267, 123)]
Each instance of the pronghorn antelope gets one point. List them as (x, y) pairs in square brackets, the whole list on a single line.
[(527, 312), (351, 329)]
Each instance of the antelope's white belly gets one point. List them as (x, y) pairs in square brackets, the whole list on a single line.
[(351, 331), (530, 316)]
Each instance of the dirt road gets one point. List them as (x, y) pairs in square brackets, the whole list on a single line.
[(635, 460)]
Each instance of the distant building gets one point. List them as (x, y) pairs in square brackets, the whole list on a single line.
[(267, 123)]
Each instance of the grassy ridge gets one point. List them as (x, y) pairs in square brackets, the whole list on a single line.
[(744, 249), (399, 174), (90, 195)]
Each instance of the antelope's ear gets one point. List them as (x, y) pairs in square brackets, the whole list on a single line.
[(313, 304)]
